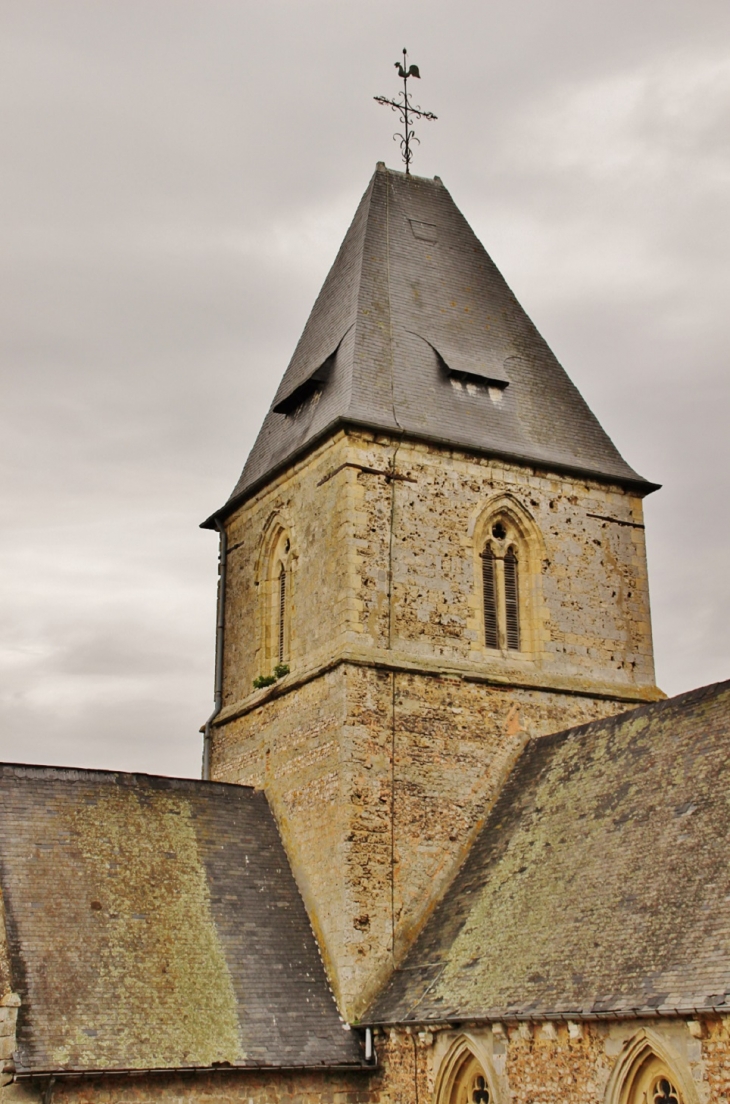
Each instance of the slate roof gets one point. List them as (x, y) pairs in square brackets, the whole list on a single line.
[(154, 923), (413, 324), (600, 883)]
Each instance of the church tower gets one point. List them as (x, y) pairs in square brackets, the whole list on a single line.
[(434, 553)]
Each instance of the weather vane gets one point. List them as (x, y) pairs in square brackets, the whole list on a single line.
[(407, 110)]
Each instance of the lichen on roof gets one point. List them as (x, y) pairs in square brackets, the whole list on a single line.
[(152, 952), (599, 884), (154, 923)]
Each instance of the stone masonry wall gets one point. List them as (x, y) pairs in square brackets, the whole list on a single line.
[(292, 747), (317, 517), (557, 1063), (9, 1004), (592, 622), (413, 588), (220, 1087), (383, 747), (379, 780), (548, 1063)]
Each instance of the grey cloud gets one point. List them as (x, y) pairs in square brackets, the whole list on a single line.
[(177, 177)]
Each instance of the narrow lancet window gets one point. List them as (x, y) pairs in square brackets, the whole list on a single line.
[(489, 586), (282, 612), (511, 601)]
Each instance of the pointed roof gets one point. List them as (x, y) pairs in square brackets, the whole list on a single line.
[(416, 332)]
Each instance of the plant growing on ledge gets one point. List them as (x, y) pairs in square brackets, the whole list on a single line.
[(263, 680), (280, 670)]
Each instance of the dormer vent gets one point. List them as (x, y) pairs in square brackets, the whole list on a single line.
[(424, 231), (469, 367), (411, 280), (313, 383)]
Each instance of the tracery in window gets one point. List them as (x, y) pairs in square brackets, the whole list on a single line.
[(501, 588), (509, 556), (463, 1077), (664, 1092), (653, 1083), (479, 1091), (649, 1072)]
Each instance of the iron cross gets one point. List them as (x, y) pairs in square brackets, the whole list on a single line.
[(406, 109)]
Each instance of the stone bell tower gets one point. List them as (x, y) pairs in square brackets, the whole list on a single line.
[(434, 552)]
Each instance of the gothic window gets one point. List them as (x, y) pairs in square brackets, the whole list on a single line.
[(275, 592), (646, 1073), (501, 587), (653, 1084), (463, 1080), (649, 1070)]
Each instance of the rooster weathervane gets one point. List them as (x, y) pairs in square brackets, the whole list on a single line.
[(407, 110)]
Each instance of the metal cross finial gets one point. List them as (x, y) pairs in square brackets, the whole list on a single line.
[(407, 110)]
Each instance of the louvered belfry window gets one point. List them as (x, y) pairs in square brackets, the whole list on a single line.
[(500, 589), (511, 602), (282, 612), (489, 588)]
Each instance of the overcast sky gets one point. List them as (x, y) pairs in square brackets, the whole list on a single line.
[(176, 178)]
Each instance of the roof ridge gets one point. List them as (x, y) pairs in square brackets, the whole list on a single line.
[(53, 771)]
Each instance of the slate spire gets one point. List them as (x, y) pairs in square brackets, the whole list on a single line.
[(415, 332)]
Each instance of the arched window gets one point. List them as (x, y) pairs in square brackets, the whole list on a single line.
[(649, 1072), (653, 1083), (463, 1078), (501, 587), (274, 576)]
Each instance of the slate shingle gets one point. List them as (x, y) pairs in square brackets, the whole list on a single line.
[(154, 923), (600, 883), (410, 279)]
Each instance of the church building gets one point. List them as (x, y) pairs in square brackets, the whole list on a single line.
[(452, 845)]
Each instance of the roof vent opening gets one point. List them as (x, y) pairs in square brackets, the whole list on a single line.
[(424, 231), (469, 371), (471, 374), (314, 384)]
